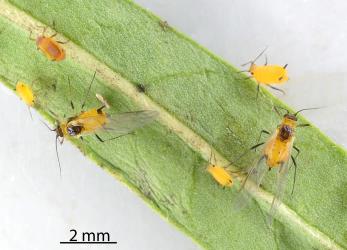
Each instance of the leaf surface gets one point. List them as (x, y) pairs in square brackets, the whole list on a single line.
[(203, 103)]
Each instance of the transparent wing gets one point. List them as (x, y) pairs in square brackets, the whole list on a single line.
[(281, 182), (127, 122), (256, 175)]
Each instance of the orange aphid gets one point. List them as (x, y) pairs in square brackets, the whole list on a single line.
[(50, 48)]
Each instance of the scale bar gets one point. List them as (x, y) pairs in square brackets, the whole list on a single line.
[(88, 242)]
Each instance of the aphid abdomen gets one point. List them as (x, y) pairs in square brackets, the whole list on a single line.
[(25, 93), (50, 48), (220, 175), (270, 74)]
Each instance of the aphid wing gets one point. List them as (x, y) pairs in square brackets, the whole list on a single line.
[(255, 174), (127, 122), (241, 200), (281, 181)]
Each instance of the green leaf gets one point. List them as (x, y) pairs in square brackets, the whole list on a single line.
[(203, 103)]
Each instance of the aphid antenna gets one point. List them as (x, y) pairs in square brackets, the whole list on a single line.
[(56, 144), (255, 59), (297, 112), (278, 112), (87, 94), (51, 129), (56, 152), (214, 158)]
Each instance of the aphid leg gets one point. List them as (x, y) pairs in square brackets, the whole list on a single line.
[(71, 102), (303, 125), (285, 66), (265, 60), (31, 116), (280, 90), (297, 151), (87, 93), (44, 30), (277, 111), (30, 36), (244, 153), (109, 139), (257, 145), (63, 42), (258, 90), (55, 32), (261, 133), (295, 166)]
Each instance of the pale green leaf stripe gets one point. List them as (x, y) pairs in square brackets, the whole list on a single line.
[(79, 55)]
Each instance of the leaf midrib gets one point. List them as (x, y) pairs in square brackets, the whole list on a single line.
[(196, 142)]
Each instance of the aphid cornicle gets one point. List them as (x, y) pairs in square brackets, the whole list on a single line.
[(276, 154), (95, 120), (51, 48), (220, 174), (267, 74)]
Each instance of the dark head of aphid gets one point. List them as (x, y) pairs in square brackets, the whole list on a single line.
[(74, 130), (59, 131), (291, 117)]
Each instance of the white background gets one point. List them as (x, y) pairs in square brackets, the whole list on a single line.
[(38, 208)]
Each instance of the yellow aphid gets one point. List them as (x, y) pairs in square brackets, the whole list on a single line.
[(276, 154), (267, 74), (25, 93), (221, 175), (87, 122), (96, 120)]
